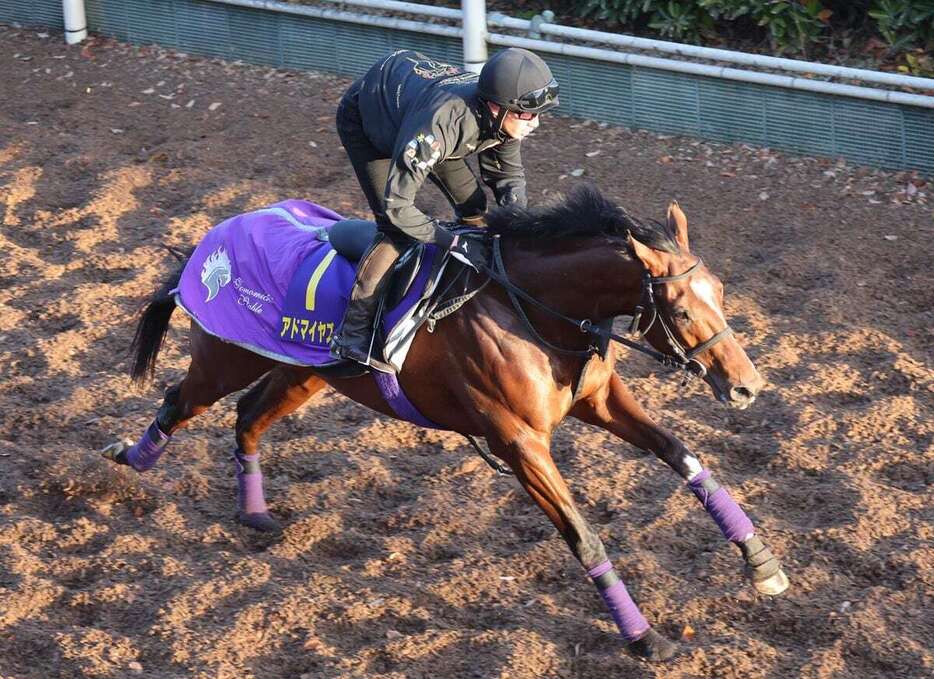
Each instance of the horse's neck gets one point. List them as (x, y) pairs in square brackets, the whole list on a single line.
[(594, 278)]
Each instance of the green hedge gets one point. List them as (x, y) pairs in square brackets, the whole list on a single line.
[(798, 28)]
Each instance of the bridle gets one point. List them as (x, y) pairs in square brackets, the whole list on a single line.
[(685, 359)]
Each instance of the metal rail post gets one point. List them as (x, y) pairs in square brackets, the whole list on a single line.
[(474, 15), (76, 25)]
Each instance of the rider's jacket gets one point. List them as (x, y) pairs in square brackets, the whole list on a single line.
[(420, 113)]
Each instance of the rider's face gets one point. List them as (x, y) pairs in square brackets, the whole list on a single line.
[(515, 126)]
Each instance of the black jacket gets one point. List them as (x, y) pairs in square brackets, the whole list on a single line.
[(421, 112)]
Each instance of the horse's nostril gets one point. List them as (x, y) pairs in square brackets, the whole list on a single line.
[(742, 394)]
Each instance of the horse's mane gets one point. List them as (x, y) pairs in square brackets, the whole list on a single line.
[(585, 212)]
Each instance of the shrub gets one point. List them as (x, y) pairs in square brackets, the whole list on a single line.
[(792, 26)]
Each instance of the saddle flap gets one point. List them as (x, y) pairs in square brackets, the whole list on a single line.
[(403, 275)]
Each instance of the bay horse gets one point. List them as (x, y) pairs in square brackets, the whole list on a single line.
[(509, 366)]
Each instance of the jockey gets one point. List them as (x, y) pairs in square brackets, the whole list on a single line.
[(411, 118)]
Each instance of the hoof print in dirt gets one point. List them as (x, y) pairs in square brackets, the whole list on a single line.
[(653, 647)]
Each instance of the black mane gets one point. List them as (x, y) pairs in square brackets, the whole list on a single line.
[(585, 212)]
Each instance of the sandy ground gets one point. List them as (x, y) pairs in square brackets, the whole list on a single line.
[(403, 554)]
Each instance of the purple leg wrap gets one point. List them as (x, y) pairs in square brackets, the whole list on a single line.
[(733, 522), (632, 625), (144, 455), (250, 498)]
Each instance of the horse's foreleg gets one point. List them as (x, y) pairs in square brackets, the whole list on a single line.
[(530, 459), (279, 393), (612, 407)]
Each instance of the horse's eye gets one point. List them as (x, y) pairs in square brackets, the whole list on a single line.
[(682, 316)]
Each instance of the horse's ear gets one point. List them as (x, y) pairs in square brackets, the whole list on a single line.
[(679, 224), (651, 259)]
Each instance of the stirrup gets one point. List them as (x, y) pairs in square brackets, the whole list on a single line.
[(347, 353)]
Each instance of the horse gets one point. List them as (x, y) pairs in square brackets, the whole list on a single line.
[(526, 351)]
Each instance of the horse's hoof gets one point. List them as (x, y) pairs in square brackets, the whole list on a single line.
[(772, 585), (653, 647), (116, 452), (261, 521)]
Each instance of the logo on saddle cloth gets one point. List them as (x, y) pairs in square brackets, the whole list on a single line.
[(316, 298), (215, 272)]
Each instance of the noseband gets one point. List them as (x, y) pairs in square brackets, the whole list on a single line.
[(686, 359)]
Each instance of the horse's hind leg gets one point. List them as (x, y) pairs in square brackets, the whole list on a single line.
[(613, 407), (529, 457), (217, 369), (279, 393)]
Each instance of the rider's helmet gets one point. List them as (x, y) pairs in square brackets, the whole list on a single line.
[(519, 81)]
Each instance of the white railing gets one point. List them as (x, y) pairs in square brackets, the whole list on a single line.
[(543, 26)]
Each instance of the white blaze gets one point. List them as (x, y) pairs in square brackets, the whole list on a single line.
[(703, 289)]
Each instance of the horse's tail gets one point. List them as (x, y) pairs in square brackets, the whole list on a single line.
[(154, 323)]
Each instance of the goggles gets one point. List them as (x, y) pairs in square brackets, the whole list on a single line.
[(536, 101)]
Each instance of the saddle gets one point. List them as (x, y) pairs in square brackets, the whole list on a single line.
[(351, 238)]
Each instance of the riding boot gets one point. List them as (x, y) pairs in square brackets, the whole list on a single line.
[(354, 338)]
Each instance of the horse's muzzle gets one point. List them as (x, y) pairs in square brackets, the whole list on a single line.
[(739, 396)]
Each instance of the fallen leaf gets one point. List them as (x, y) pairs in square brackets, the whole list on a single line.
[(214, 106), (687, 633)]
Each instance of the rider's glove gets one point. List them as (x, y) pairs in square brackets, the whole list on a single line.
[(468, 251)]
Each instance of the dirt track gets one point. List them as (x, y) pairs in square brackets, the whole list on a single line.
[(403, 555)]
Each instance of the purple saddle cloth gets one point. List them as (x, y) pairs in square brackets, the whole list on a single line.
[(270, 281)]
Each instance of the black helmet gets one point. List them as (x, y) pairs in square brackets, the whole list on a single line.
[(519, 81)]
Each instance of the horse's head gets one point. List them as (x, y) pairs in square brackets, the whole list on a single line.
[(690, 319)]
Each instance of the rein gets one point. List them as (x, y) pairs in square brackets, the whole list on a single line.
[(680, 358)]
